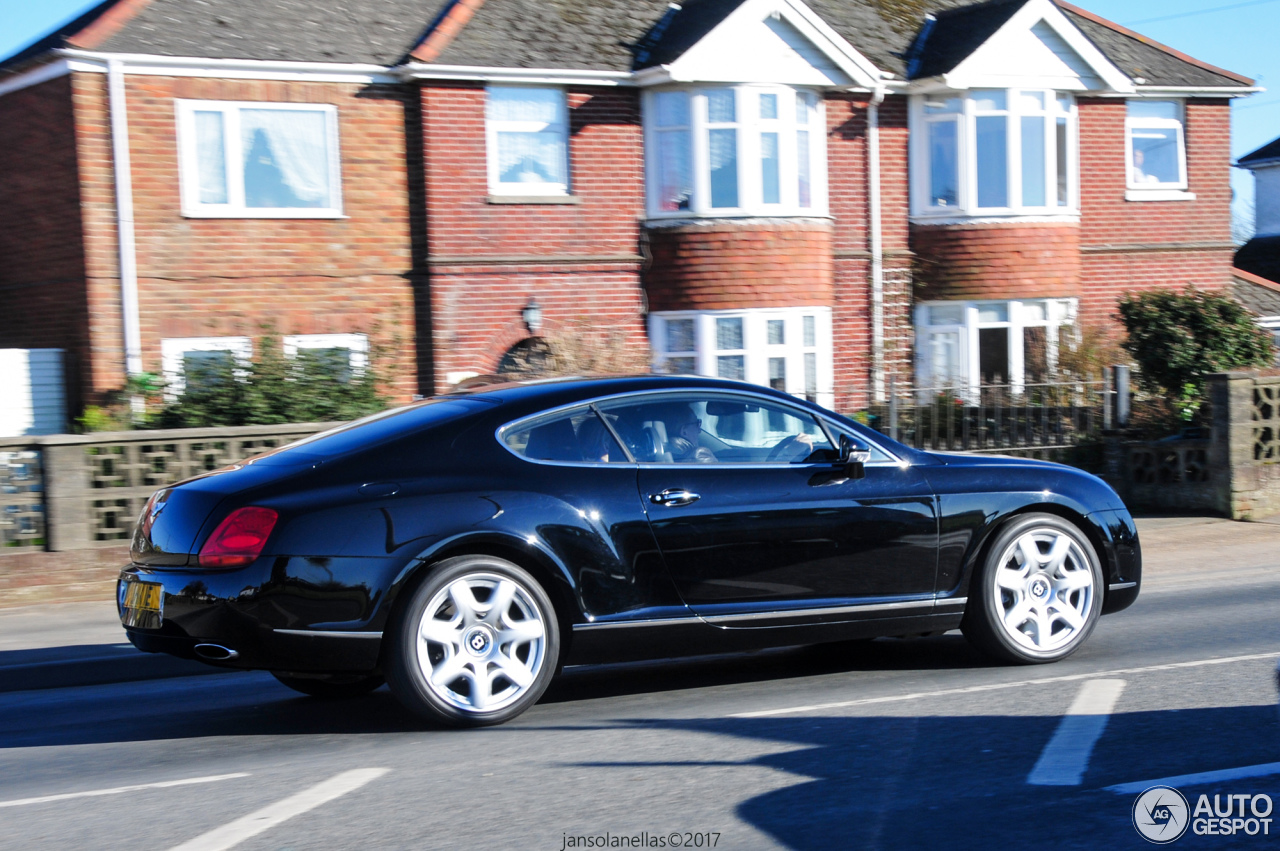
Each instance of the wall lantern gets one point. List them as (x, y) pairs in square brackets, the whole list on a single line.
[(532, 315)]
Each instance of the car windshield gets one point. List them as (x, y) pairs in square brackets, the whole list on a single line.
[(376, 428)]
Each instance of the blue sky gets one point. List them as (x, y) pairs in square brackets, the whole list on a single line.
[(1239, 36)]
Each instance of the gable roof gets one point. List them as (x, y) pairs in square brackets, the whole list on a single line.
[(378, 32), (954, 34), (1144, 58), (589, 35), (1269, 152)]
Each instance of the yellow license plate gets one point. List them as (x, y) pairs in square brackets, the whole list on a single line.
[(143, 605)]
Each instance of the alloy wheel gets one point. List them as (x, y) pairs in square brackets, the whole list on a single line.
[(1043, 590), (481, 642)]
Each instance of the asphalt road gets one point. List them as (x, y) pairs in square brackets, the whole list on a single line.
[(894, 744)]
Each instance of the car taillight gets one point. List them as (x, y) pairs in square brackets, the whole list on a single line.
[(239, 539)]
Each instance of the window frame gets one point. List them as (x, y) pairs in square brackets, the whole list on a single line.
[(756, 350), (493, 126), (188, 161), (174, 349), (1178, 124), (965, 120), (749, 126), (357, 346)]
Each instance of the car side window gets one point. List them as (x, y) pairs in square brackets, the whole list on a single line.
[(703, 429), (574, 436)]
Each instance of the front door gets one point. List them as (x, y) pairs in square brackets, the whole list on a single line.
[(751, 515)]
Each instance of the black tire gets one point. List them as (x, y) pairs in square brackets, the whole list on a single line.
[(1054, 610), (331, 685), (485, 666)]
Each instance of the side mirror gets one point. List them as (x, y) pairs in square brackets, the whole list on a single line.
[(854, 456)]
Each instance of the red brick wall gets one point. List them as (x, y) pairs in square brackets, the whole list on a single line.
[(42, 264), (1134, 245), (726, 264), (848, 180), (997, 261), (233, 277), (580, 261)]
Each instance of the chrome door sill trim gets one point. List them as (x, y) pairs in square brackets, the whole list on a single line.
[(327, 633), (583, 627), (833, 610)]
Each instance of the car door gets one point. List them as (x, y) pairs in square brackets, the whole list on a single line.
[(756, 517)]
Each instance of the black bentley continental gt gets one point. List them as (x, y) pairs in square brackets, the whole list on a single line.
[(465, 547)]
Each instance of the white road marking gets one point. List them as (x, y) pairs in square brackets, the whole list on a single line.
[(22, 802), (1265, 770), (1065, 758), (231, 835), (1067, 678)]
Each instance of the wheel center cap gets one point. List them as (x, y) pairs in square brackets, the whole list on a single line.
[(1038, 588), (478, 640)]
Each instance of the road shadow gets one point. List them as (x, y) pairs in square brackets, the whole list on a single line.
[(940, 782), (254, 704), (945, 652)]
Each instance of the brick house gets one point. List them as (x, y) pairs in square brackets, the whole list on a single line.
[(816, 196)]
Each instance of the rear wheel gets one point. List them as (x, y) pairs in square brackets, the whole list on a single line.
[(475, 644), (1038, 594), (331, 685)]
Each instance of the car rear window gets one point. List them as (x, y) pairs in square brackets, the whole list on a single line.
[(376, 428)]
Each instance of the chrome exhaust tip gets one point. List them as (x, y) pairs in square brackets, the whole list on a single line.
[(215, 652)]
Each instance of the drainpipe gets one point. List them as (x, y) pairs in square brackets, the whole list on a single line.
[(124, 218), (877, 240)]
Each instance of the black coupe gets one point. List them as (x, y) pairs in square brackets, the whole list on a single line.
[(465, 547)]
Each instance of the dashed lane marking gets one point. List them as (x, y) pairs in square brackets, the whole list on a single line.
[(1065, 758), (231, 835), (1067, 678), (44, 799)]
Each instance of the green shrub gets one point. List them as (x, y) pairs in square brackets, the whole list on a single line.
[(1179, 338), (313, 386)]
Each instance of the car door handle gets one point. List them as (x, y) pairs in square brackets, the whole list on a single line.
[(674, 497)]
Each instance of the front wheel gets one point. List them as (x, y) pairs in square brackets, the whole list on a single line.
[(475, 644), (1038, 594)]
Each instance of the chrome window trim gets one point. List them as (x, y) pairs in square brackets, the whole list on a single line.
[(823, 422)]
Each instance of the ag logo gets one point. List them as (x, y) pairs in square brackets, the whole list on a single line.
[(1161, 815)]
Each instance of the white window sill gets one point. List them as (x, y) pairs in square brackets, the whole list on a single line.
[(986, 218), (1159, 195), (264, 214), (533, 199)]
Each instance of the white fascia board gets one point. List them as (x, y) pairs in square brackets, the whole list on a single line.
[(229, 69), (1189, 92), (540, 76), (860, 70), (1022, 21), (35, 76)]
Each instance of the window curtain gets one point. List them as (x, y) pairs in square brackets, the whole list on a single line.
[(211, 162), (286, 155)]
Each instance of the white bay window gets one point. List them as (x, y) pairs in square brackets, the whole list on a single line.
[(259, 160), (788, 349), (734, 150), (964, 345), (993, 152)]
